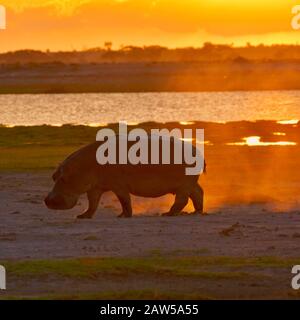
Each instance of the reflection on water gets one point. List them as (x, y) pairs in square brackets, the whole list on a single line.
[(207, 143), (97, 124), (279, 134), (288, 121), (187, 123), (255, 141), (135, 108)]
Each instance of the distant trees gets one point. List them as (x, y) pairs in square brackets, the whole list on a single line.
[(108, 45), (208, 52)]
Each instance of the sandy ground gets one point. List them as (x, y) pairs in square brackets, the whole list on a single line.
[(30, 231)]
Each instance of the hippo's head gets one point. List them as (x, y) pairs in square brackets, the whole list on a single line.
[(69, 185)]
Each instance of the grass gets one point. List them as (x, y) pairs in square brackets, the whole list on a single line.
[(33, 158), (208, 272), (46, 135), (41, 147), (156, 265), (93, 268)]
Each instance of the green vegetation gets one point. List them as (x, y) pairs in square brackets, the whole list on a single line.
[(194, 277), (67, 135), (179, 266), (93, 268), (40, 147), (32, 158)]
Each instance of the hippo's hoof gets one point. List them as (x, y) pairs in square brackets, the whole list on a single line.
[(124, 215), (169, 214), (84, 216), (194, 213)]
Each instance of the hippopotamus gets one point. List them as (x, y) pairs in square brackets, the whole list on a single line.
[(81, 174)]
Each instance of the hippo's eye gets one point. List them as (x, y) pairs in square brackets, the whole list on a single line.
[(63, 179)]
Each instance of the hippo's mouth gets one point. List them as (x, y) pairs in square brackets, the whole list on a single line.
[(59, 202)]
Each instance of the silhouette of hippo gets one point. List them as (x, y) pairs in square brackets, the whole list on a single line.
[(81, 173)]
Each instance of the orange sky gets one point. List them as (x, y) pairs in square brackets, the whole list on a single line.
[(78, 24)]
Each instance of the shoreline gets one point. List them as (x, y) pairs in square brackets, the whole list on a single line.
[(62, 92), (150, 77)]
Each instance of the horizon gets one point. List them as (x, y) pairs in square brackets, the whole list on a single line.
[(108, 47), (104, 47)]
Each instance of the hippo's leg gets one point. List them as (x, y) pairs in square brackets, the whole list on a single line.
[(181, 200), (94, 196), (197, 196), (124, 198)]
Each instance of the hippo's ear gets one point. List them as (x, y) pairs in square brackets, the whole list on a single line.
[(56, 175)]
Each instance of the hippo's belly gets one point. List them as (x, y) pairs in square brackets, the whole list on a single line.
[(151, 188), (156, 180)]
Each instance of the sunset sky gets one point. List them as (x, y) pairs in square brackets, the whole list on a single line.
[(81, 24)]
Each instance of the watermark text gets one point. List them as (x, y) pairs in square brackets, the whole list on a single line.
[(2, 278), (296, 18), (159, 147), (2, 17), (296, 279)]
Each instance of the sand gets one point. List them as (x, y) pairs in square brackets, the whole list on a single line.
[(30, 230)]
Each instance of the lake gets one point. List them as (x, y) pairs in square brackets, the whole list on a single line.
[(102, 108)]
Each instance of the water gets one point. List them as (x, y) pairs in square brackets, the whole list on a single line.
[(101, 108)]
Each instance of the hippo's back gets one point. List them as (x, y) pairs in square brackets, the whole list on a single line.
[(149, 179)]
